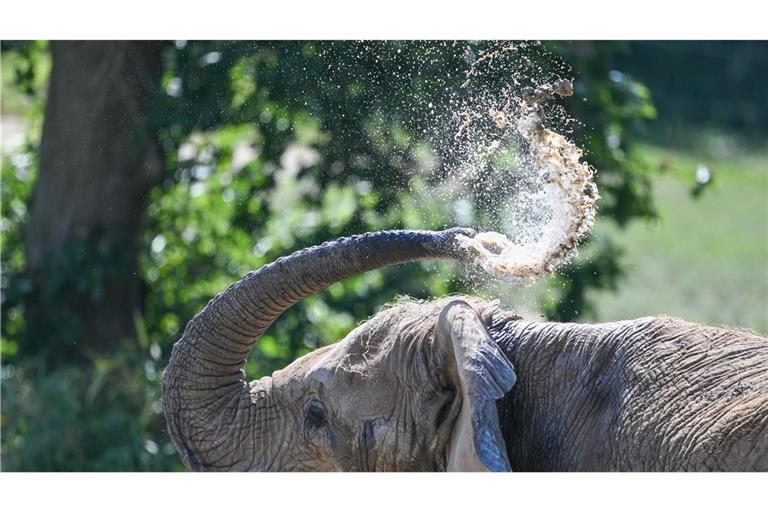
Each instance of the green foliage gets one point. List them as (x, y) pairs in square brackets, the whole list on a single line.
[(107, 417), (25, 69), (269, 148)]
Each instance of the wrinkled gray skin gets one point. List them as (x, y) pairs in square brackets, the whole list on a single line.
[(430, 386)]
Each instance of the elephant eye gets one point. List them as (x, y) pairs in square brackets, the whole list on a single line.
[(316, 416)]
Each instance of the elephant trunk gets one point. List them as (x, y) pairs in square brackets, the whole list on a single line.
[(212, 413)]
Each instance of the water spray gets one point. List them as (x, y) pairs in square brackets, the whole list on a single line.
[(565, 187)]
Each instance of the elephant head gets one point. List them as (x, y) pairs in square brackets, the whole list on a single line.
[(414, 388)]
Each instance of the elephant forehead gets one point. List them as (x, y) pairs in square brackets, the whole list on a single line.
[(347, 363), (356, 372), (373, 363), (301, 368), (359, 352)]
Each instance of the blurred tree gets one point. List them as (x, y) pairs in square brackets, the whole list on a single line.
[(98, 161), (715, 85)]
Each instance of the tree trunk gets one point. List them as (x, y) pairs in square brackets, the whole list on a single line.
[(98, 160)]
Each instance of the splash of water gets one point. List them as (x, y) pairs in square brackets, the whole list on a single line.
[(569, 193), (530, 174), (491, 160)]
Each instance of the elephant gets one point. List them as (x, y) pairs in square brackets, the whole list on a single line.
[(459, 383)]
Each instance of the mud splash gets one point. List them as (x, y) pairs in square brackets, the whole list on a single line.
[(552, 181)]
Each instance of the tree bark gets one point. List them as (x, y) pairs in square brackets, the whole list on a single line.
[(99, 158)]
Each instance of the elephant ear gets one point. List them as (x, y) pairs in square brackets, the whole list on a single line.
[(482, 375)]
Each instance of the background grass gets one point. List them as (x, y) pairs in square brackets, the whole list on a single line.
[(706, 259)]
